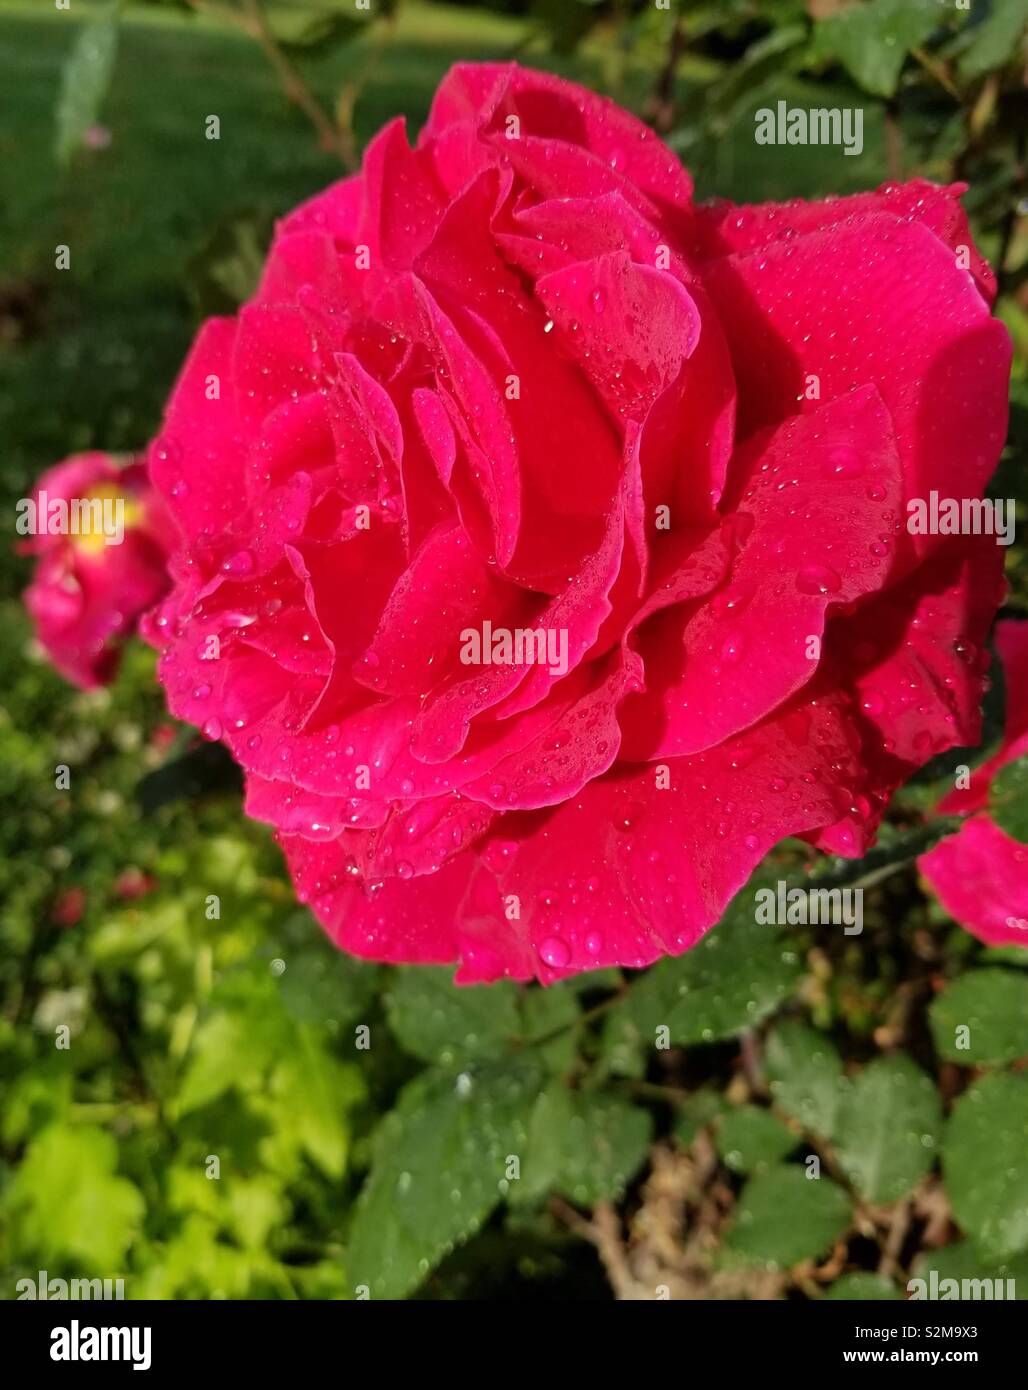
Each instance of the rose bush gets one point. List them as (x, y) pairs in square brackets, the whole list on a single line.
[(87, 594), (515, 376), (980, 874)]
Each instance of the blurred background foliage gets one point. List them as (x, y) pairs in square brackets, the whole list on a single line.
[(236, 1036)]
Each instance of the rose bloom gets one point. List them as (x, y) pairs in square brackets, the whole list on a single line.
[(981, 874), (87, 594), (513, 380)]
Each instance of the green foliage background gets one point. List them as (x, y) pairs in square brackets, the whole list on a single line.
[(236, 1038)]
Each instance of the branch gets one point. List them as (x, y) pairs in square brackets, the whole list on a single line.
[(254, 22), (662, 103), (296, 89)]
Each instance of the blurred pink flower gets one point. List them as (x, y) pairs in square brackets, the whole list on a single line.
[(69, 906), (89, 589), (96, 137)]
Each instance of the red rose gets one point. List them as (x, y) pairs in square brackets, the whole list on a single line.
[(544, 555)]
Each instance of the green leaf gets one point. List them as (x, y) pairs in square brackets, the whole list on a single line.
[(439, 1169), (320, 983), (238, 1042), (622, 1048), (34, 1100), (749, 1138), (784, 1217), (862, 1287), (67, 1201), (585, 1145), (85, 78), (1006, 955), (695, 1112), (984, 1164), (254, 1208), (316, 1093), (225, 1052), (888, 1128), (435, 1019), (872, 40), (760, 64), (732, 980), (225, 271), (1008, 799), (566, 22), (552, 1011), (995, 41), (806, 1076), (992, 1004)]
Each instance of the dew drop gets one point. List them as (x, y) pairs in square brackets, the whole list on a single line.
[(555, 952), (818, 579), (239, 563), (845, 462)]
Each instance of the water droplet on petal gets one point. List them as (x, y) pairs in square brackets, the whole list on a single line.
[(818, 579), (240, 563), (845, 462), (555, 952)]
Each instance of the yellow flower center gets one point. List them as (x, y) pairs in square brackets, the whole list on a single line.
[(102, 516)]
